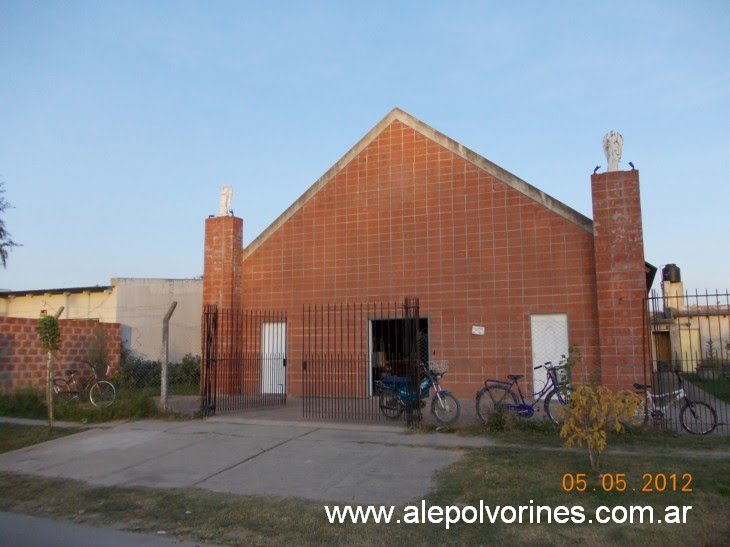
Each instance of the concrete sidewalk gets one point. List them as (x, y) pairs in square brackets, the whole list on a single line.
[(353, 463)]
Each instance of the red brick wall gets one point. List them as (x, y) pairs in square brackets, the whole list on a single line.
[(222, 267), (407, 217), (23, 362), (222, 286), (620, 276)]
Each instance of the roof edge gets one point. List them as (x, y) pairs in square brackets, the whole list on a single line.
[(70, 290), (500, 173), (322, 181), (450, 144)]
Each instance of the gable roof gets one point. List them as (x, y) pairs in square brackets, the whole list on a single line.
[(460, 150)]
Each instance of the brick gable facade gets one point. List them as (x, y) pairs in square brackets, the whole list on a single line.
[(408, 212)]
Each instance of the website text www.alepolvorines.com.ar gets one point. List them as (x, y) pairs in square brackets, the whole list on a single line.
[(506, 514)]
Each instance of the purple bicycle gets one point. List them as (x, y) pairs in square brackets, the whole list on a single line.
[(499, 396)]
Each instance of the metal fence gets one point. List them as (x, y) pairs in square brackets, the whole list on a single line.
[(690, 334), (138, 375), (348, 351), (244, 359)]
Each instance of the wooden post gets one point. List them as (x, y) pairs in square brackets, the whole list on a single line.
[(165, 354)]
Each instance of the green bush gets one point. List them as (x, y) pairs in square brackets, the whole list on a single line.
[(500, 420), (24, 403), (184, 377), (186, 372), (136, 373)]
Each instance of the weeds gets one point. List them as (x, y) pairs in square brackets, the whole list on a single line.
[(24, 403), (30, 403), (137, 374)]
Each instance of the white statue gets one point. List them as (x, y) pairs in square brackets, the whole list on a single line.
[(225, 201), (613, 143)]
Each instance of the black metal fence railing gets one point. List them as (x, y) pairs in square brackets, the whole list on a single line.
[(690, 334), (349, 353), (244, 359)]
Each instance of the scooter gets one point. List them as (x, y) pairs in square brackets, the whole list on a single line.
[(397, 394)]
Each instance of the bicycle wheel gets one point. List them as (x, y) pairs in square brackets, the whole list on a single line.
[(446, 408), (493, 399), (62, 390), (698, 418), (556, 402), (390, 405), (102, 393)]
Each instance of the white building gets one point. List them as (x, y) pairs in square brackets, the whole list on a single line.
[(139, 305)]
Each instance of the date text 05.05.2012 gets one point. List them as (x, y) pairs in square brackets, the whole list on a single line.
[(618, 482)]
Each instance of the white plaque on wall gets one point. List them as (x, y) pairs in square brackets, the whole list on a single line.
[(479, 331)]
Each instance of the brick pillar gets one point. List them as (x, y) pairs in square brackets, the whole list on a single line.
[(620, 276), (223, 267), (223, 286)]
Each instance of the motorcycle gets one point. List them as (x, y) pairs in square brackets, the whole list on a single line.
[(397, 394)]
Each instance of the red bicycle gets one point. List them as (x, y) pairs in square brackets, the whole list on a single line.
[(73, 385)]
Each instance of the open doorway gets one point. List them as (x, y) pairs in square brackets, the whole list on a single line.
[(392, 342)]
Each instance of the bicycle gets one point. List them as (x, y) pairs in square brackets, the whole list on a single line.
[(397, 395), (499, 395), (101, 393), (696, 417)]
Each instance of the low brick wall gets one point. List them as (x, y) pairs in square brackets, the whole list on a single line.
[(23, 362)]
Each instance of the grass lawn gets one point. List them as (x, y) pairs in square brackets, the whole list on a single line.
[(14, 436), (129, 405), (526, 468), (719, 387)]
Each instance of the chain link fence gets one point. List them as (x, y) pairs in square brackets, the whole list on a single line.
[(138, 375)]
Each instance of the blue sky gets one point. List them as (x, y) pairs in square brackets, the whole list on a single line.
[(120, 121)]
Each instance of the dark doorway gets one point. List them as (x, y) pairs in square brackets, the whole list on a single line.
[(663, 343), (348, 347), (392, 346)]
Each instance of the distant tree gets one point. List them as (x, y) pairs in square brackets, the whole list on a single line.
[(5, 242)]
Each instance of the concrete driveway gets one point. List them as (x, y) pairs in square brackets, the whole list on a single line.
[(363, 464)]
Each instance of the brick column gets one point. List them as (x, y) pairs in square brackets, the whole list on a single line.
[(223, 286), (620, 276), (223, 267)]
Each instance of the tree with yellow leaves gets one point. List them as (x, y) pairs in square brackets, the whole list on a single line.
[(594, 412)]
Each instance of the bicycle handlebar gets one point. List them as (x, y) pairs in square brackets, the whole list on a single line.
[(549, 364)]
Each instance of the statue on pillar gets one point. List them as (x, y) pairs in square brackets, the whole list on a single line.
[(613, 143), (225, 201)]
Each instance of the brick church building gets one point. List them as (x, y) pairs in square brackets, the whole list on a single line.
[(504, 275)]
